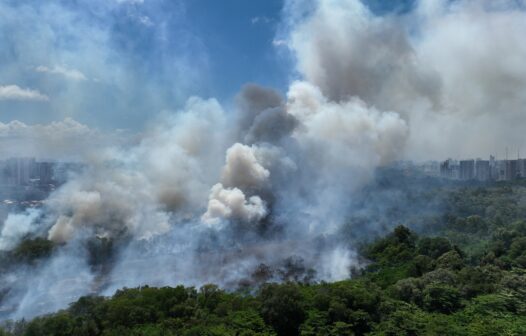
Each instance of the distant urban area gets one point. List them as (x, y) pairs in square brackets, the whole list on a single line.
[(471, 169), (28, 181), (25, 182), (23, 175)]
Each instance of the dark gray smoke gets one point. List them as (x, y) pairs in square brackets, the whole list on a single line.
[(261, 192), (191, 204), (453, 69), (263, 116)]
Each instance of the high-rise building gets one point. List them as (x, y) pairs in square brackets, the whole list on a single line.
[(512, 171), (18, 171), (493, 168), (501, 170), (450, 169), (446, 170), (467, 169), (482, 170), (521, 168), (44, 172)]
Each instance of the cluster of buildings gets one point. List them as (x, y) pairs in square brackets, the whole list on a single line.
[(26, 182), (483, 170), (467, 170), (23, 172), (29, 179)]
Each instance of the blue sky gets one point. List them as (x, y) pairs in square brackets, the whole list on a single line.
[(240, 34), (118, 63)]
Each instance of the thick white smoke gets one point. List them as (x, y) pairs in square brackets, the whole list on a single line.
[(247, 170), (119, 206), (164, 197), (348, 133), (206, 195), (231, 203), (455, 70), (136, 190), (16, 226), (243, 169)]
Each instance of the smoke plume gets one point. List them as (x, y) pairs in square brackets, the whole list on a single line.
[(261, 191), (453, 70)]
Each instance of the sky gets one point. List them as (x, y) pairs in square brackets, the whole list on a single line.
[(118, 63), (452, 69)]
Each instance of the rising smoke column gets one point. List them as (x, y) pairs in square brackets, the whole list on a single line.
[(135, 191), (275, 182), (227, 200), (207, 196), (453, 69), (189, 209)]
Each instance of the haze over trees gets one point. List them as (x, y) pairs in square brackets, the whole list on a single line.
[(287, 203), (464, 274)]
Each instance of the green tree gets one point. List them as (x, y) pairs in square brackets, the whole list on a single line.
[(441, 298), (282, 308), (433, 247)]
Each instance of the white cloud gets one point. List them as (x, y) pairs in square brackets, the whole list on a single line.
[(260, 19), (14, 92), (68, 127), (58, 38), (65, 139), (279, 43), (59, 70), (145, 20)]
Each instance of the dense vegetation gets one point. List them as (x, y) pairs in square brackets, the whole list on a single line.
[(464, 273)]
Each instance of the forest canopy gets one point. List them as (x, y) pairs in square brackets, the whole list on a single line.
[(461, 272)]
